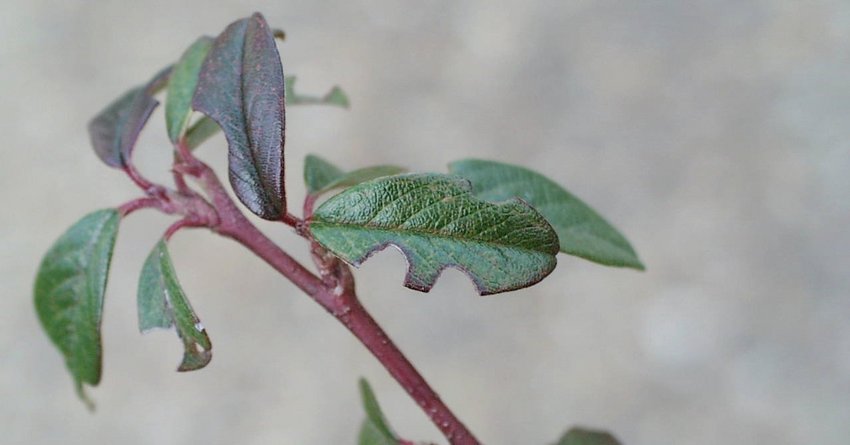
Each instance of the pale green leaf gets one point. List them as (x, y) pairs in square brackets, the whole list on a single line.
[(181, 87), (375, 429), (581, 436), (321, 176), (200, 131), (318, 173), (582, 232), (163, 304), (435, 221), (336, 96), (69, 289)]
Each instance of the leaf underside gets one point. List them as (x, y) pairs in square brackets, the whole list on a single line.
[(181, 87), (582, 232), (241, 87), (115, 130), (435, 221), (69, 290), (375, 430), (321, 176), (163, 304), (581, 436)]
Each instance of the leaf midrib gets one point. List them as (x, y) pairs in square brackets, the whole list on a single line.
[(425, 234)]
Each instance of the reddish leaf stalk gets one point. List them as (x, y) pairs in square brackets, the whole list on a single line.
[(334, 292), (137, 204)]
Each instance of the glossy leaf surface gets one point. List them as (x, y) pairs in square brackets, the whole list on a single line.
[(335, 97), (241, 88), (582, 232), (437, 223), (163, 304), (69, 289), (181, 87), (115, 130), (580, 436), (322, 176), (375, 429)]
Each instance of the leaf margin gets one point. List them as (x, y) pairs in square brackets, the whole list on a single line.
[(85, 366), (627, 256)]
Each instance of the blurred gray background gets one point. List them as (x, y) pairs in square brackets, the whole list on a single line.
[(714, 134)]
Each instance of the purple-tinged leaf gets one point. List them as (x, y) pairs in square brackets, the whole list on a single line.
[(114, 130), (241, 87)]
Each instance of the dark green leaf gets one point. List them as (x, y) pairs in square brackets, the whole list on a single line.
[(163, 304), (580, 436), (335, 96), (375, 429), (322, 176), (114, 130), (241, 88), (69, 292), (581, 231), (437, 223), (181, 87)]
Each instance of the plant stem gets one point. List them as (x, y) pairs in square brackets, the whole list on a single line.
[(357, 319), (339, 299)]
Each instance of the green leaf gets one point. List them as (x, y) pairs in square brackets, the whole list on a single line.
[(435, 221), (335, 97), (115, 130), (375, 429), (241, 88), (200, 131), (322, 176), (181, 87), (318, 173), (69, 290), (580, 436), (163, 304), (581, 231)]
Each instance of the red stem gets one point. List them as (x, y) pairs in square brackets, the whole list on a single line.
[(137, 177), (137, 204), (357, 319), (339, 300)]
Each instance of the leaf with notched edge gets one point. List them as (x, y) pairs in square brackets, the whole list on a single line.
[(114, 131), (241, 88), (322, 176), (437, 223), (581, 231), (69, 289), (163, 304), (181, 87)]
